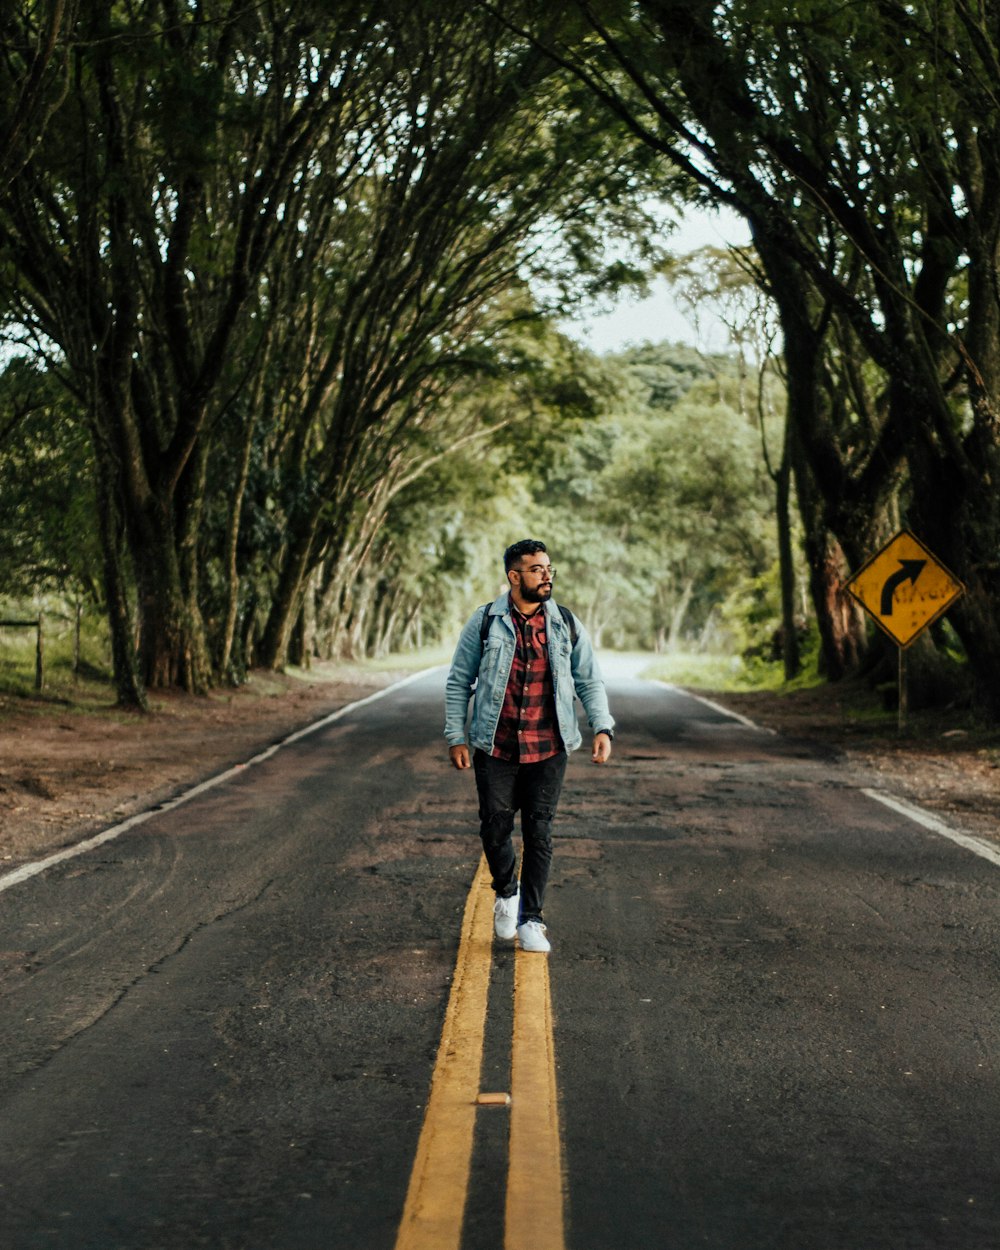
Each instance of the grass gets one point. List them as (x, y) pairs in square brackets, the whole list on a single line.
[(91, 689), (88, 688), (858, 708), (722, 672), (853, 707), (341, 670)]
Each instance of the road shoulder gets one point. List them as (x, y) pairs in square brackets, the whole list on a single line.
[(67, 773)]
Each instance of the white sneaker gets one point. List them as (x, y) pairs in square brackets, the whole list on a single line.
[(505, 917), (532, 937)]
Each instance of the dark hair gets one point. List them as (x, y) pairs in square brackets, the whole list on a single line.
[(526, 547)]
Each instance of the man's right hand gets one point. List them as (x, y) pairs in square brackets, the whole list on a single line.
[(460, 756)]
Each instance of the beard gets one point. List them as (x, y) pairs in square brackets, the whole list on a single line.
[(536, 594)]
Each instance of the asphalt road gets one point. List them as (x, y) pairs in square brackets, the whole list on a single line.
[(775, 1004)]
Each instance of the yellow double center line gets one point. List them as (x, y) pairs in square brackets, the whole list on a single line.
[(435, 1202)]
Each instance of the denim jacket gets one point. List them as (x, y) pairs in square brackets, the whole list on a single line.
[(483, 669)]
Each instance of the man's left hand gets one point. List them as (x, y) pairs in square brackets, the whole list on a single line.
[(602, 749)]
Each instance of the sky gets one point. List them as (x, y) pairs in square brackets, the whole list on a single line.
[(659, 317)]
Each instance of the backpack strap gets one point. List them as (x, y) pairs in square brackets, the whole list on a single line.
[(484, 624), (570, 620), (567, 615)]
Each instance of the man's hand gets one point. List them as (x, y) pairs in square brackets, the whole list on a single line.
[(460, 756), (602, 749)]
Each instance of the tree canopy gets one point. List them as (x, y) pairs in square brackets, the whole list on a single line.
[(270, 252), (860, 144), (288, 280)]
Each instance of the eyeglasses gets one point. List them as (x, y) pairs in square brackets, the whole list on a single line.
[(539, 570)]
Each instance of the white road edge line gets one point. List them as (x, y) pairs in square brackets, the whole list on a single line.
[(977, 845), (27, 871), (717, 707)]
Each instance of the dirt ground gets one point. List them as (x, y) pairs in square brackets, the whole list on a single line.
[(943, 761), (67, 773)]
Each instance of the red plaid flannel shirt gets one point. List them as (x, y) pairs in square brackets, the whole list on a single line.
[(528, 730)]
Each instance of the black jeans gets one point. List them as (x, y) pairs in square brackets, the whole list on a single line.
[(506, 787)]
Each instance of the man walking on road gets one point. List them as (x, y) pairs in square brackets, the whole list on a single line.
[(524, 657)]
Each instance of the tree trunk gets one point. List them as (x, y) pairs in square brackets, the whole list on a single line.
[(679, 614), (308, 616), (171, 636), (128, 685), (966, 534), (843, 640), (832, 510), (387, 622), (790, 655), (296, 566), (957, 516), (161, 602), (196, 674), (230, 552), (358, 626)]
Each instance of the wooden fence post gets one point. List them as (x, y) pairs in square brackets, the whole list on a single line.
[(39, 657), (76, 641)]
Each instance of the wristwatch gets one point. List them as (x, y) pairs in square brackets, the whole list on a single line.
[(609, 732)]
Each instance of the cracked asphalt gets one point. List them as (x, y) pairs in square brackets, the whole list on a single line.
[(775, 1002)]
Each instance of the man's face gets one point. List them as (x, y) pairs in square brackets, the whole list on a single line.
[(534, 575)]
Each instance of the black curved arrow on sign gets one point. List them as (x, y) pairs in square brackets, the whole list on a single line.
[(908, 571)]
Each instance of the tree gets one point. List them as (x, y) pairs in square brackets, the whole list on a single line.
[(731, 284), (34, 75), (657, 503), (268, 246), (138, 228), (46, 490), (865, 163), (478, 171), (451, 505)]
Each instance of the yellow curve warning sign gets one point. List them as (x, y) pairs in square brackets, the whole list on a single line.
[(905, 588)]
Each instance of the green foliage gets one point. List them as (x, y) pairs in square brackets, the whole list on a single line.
[(309, 238), (653, 506), (713, 671), (660, 505), (864, 160), (664, 374), (47, 505), (304, 273)]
